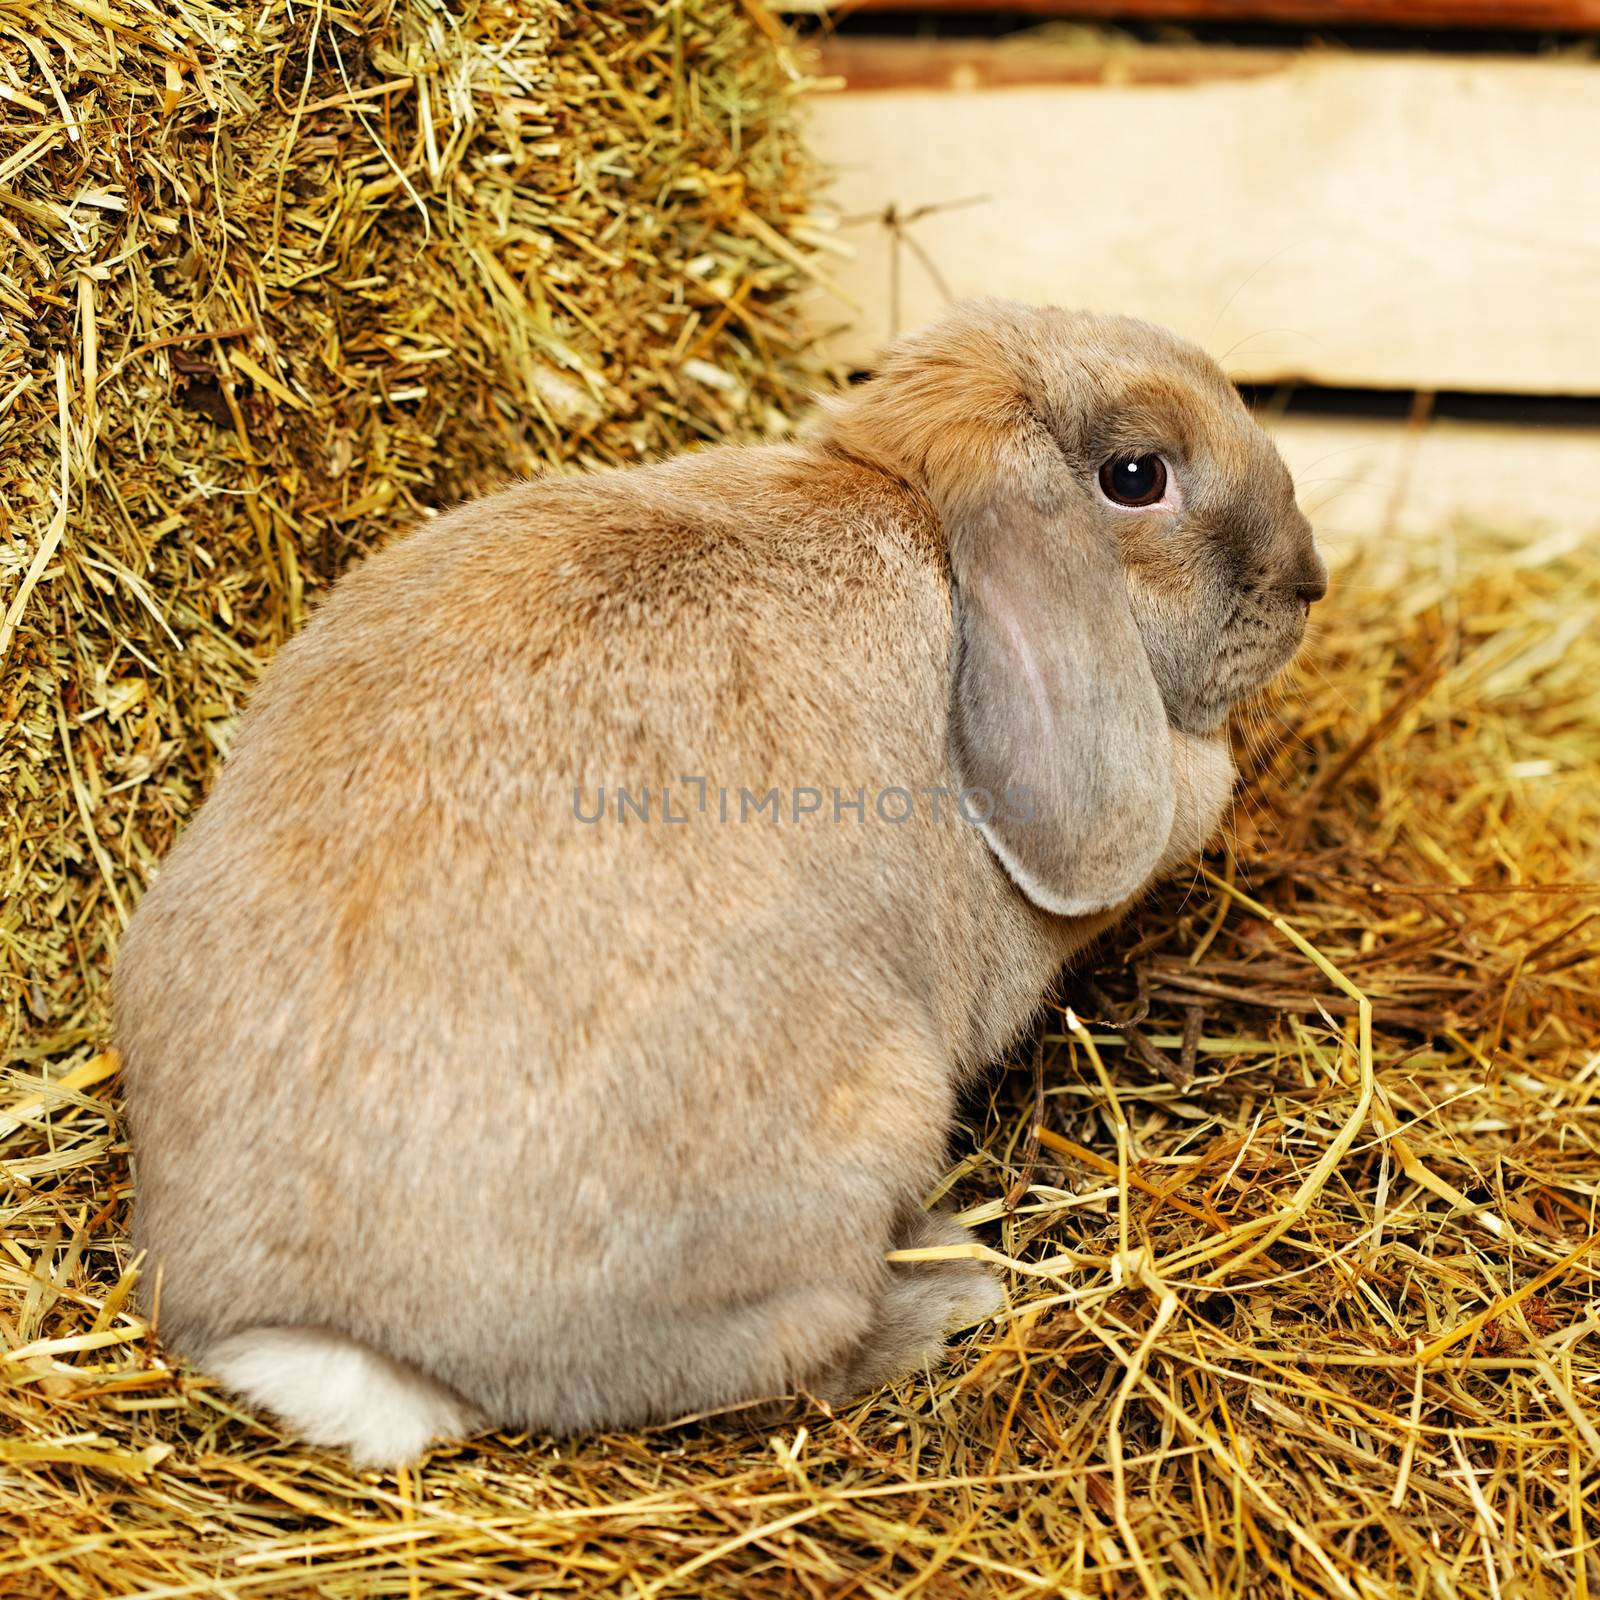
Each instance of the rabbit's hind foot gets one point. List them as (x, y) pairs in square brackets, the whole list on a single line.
[(923, 1303), (335, 1391)]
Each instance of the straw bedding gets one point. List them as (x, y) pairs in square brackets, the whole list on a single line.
[(1302, 1292), (1296, 1184)]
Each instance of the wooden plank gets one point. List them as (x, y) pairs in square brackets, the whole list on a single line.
[(1361, 480), (863, 62), (1575, 16), (1346, 219)]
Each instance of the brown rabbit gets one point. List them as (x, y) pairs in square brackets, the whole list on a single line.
[(553, 1017)]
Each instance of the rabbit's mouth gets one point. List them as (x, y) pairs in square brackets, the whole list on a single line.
[(1273, 659), (1250, 657)]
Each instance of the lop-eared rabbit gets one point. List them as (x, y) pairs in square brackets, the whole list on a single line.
[(501, 1053)]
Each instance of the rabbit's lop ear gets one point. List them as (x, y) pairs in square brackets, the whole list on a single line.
[(1056, 714)]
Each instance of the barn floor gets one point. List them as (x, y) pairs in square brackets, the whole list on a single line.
[(1302, 1291)]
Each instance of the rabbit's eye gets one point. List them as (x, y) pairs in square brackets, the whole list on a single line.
[(1134, 480)]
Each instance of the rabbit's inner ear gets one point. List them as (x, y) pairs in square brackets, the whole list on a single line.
[(1056, 714)]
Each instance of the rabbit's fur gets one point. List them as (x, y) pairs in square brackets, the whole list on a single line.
[(452, 1109)]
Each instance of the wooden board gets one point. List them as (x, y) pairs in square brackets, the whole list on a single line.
[(1566, 15), (1349, 219), (857, 63), (1362, 481)]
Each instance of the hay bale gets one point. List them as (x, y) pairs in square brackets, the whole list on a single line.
[(279, 279)]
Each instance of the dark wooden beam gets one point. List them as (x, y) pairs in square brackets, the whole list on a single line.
[(864, 62), (1556, 15)]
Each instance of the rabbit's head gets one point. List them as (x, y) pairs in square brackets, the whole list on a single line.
[(1125, 551)]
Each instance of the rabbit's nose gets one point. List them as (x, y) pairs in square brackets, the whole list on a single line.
[(1312, 583)]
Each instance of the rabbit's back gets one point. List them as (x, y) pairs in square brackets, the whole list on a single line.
[(443, 1030)]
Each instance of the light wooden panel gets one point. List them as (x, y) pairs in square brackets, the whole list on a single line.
[(1362, 481), (1393, 221)]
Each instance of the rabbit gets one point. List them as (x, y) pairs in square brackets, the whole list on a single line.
[(498, 1055)]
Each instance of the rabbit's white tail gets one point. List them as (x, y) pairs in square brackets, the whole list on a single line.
[(332, 1390)]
